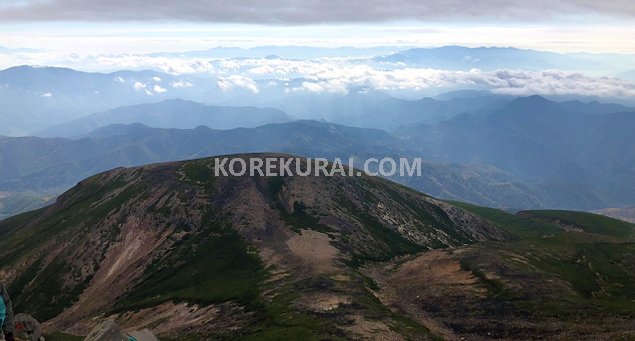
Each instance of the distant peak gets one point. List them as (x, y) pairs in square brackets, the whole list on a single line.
[(534, 103), (39, 68), (531, 100), (177, 100)]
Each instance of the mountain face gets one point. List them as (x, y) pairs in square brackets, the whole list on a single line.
[(173, 247), (189, 255), (583, 161), (568, 276), (175, 114)]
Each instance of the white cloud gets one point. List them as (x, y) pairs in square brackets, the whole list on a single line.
[(229, 65), (237, 81), (182, 84), (47, 95), (165, 64), (338, 76), (158, 89), (330, 87), (156, 79)]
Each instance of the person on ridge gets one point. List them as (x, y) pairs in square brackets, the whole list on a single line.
[(6, 315)]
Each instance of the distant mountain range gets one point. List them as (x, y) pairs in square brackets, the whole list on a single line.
[(49, 101), (491, 58), (16, 202), (37, 98), (480, 147), (289, 52), (368, 108), (530, 153), (543, 143), (50, 164), (41, 163), (174, 113)]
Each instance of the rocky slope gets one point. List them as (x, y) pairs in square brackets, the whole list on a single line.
[(172, 248)]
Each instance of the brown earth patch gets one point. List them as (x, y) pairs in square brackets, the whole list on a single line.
[(315, 249)]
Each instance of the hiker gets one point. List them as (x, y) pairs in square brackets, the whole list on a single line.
[(6, 315)]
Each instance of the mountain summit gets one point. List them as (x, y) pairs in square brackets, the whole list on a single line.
[(175, 249), (228, 254)]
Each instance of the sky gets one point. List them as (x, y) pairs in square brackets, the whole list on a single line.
[(109, 35), (134, 26)]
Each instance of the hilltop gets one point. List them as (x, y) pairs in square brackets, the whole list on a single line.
[(175, 249)]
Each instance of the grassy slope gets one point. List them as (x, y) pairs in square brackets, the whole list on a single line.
[(21, 237), (589, 222), (220, 267), (598, 264)]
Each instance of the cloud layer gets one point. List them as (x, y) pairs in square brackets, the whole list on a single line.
[(275, 75), (339, 75), (310, 11)]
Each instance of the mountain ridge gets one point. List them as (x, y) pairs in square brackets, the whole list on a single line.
[(173, 248), (119, 233), (169, 113)]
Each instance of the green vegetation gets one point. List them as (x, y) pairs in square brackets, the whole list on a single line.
[(597, 264), (594, 270), (426, 213), (276, 320), (49, 296), (516, 225), (213, 265), (392, 244), (386, 243), (275, 185), (59, 336), (300, 218), (494, 287), (199, 172), (539, 223), (210, 263), (84, 207), (374, 310), (16, 222), (589, 222), (23, 279)]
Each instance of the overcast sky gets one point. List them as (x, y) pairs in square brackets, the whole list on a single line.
[(135, 26), (303, 12)]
